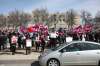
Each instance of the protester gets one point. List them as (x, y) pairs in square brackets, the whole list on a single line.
[(37, 42), (28, 44), (14, 39), (60, 37), (1, 43), (23, 41), (19, 41), (53, 39), (42, 39)]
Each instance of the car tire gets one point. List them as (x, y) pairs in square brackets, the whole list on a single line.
[(99, 63), (53, 62)]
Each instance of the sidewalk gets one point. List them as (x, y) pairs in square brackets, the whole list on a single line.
[(19, 55)]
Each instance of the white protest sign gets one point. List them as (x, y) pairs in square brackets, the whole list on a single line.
[(28, 43)]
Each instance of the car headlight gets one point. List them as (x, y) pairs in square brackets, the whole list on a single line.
[(43, 54), (46, 52)]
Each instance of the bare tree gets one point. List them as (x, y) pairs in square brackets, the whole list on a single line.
[(97, 17), (17, 18), (70, 18), (2, 20), (53, 20), (86, 17), (40, 15), (97, 22)]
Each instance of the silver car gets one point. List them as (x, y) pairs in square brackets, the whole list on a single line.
[(72, 53)]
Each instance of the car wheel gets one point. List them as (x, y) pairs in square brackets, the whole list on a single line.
[(99, 63), (53, 62)]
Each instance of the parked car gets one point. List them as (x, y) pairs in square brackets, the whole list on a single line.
[(72, 53)]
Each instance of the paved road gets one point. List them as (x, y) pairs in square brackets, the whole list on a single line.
[(19, 59), (19, 63)]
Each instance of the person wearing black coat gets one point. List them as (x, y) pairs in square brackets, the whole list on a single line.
[(19, 41)]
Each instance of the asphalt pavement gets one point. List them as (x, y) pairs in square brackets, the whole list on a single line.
[(19, 59), (19, 63)]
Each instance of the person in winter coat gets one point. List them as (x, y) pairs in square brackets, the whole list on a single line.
[(42, 39), (14, 39), (37, 42), (28, 44)]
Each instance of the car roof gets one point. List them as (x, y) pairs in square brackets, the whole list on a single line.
[(84, 42)]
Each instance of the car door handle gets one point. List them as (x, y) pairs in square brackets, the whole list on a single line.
[(77, 53)]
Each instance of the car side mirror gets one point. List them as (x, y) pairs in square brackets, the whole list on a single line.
[(62, 51)]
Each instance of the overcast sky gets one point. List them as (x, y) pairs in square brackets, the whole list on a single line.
[(52, 5)]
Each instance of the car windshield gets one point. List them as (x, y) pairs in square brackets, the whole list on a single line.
[(58, 47)]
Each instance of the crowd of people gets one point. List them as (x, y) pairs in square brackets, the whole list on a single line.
[(12, 39), (40, 41)]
